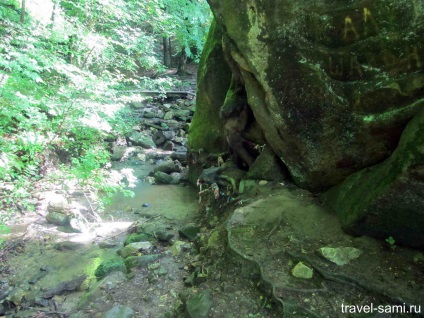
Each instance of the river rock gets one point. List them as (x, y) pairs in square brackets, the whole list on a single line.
[(178, 247), (182, 114), (199, 305), (302, 271), (168, 145), (164, 178), (180, 154), (118, 152), (57, 218), (119, 312), (109, 266), (135, 248), (140, 139), (167, 167), (177, 177), (169, 115), (165, 234), (108, 243), (160, 137), (340, 255), (78, 225), (58, 203)]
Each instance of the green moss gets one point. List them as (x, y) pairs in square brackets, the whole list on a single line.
[(137, 237), (107, 267), (214, 77), (362, 193)]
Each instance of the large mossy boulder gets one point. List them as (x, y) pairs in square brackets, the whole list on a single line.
[(206, 132), (331, 84), (213, 80), (387, 199)]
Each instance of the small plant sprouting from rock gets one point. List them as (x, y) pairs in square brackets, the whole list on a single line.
[(391, 242)]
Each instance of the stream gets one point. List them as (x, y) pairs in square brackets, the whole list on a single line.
[(271, 250)]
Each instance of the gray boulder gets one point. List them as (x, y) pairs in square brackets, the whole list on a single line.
[(140, 139), (167, 167), (57, 218)]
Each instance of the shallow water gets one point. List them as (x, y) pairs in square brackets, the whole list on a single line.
[(172, 201)]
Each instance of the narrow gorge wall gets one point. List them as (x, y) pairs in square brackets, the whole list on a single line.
[(332, 85)]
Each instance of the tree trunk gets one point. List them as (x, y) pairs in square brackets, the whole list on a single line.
[(23, 12), (53, 15), (182, 60), (166, 51)]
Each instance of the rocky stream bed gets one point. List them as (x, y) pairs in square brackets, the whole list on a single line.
[(268, 249)]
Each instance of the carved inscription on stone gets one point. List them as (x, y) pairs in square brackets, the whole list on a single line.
[(362, 58)]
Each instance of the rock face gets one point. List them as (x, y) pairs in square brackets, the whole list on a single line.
[(213, 80), (331, 85), (387, 199)]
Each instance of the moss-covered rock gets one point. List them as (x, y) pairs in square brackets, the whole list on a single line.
[(387, 199), (199, 305), (267, 167), (109, 266), (140, 261), (206, 132), (137, 237), (213, 80), (331, 86)]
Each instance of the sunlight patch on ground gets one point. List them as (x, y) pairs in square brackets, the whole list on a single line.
[(103, 230)]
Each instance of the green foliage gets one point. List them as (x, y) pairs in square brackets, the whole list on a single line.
[(61, 73), (189, 22), (4, 229)]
